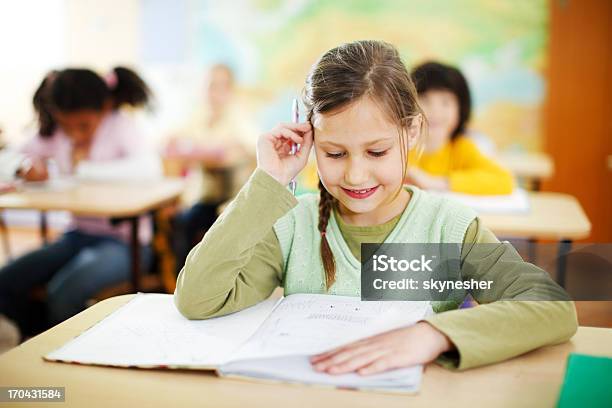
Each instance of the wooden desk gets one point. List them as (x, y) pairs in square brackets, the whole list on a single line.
[(553, 216), (533, 379), (533, 167), (117, 200), (174, 164), (222, 166)]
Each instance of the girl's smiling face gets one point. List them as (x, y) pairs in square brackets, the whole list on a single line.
[(360, 161)]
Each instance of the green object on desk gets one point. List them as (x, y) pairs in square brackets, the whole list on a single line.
[(587, 383)]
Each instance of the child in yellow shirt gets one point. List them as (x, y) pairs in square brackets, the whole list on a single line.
[(450, 161)]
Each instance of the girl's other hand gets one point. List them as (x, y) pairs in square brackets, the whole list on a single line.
[(399, 348), (36, 172), (274, 147), (79, 154)]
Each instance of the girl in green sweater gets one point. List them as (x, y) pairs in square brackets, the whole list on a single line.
[(362, 120)]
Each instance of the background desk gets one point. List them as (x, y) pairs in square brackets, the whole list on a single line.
[(553, 216), (109, 200), (533, 379), (531, 167), (228, 171)]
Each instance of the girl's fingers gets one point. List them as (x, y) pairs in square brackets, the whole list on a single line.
[(340, 357), (328, 354), (289, 130), (285, 133), (302, 127), (281, 144), (306, 145), (320, 357), (358, 361), (386, 362)]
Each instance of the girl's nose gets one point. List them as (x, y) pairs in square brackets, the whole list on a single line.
[(356, 174)]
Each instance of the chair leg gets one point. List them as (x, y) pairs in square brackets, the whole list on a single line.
[(565, 246), (162, 245)]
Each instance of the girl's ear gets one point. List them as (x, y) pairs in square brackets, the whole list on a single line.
[(413, 132)]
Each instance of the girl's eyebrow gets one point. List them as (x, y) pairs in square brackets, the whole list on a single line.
[(383, 139)]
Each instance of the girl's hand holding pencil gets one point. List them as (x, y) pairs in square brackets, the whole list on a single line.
[(274, 150)]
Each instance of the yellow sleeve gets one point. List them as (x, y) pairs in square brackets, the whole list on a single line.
[(474, 173)]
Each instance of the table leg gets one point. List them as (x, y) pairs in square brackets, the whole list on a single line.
[(135, 252), (565, 246), (44, 229), (6, 245), (164, 252), (531, 250)]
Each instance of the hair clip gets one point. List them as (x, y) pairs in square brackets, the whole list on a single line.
[(111, 79)]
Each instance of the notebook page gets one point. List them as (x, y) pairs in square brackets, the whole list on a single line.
[(297, 369), (149, 331), (302, 325), (306, 324)]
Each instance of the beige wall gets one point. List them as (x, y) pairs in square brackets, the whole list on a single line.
[(37, 36)]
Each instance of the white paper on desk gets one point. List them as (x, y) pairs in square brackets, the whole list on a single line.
[(270, 341), (149, 331), (515, 203)]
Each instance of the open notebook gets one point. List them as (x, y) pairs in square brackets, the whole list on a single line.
[(269, 341)]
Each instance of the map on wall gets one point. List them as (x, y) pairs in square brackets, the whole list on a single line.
[(501, 47)]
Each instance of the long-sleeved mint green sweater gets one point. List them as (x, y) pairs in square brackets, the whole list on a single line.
[(239, 262)]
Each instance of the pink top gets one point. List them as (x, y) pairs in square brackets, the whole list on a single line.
[(119, 152)]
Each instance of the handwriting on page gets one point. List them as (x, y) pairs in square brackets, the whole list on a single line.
[(308, 324)]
